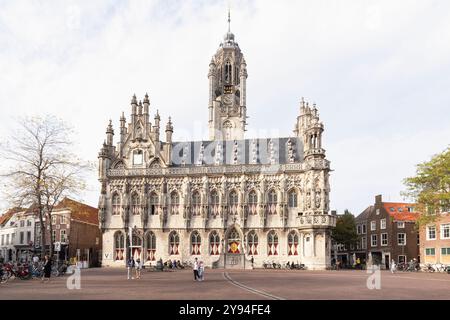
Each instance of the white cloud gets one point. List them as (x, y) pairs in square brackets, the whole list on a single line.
[(377, 69)]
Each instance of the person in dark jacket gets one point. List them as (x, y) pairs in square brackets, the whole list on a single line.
[(47, 269)]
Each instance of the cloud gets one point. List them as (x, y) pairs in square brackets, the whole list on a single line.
[(377, 69)]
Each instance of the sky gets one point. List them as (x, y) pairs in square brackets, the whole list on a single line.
[(379, 72)]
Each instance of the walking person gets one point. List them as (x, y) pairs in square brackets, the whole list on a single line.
[(393, 266), (47, 269), (252, 261), (195, 268), (138, 268), (130, 267)]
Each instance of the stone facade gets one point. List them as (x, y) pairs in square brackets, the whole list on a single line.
[(224, 200)]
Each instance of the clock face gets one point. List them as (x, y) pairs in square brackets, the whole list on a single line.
[(227, 99)]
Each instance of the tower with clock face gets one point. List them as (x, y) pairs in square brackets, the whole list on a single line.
[(227, 91)]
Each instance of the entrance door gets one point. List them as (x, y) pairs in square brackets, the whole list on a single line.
[(234, 242), (136, 248), (387, 261)]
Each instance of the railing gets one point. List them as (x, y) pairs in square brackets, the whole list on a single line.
[(317, 220), (255, 168)]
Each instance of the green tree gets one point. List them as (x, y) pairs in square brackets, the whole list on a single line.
[(430, 187), (345, 230)]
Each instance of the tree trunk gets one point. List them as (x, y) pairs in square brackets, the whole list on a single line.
[(41, 220), (50, 230)]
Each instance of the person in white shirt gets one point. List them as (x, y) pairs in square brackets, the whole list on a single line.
[(393, 266), (195, 268)]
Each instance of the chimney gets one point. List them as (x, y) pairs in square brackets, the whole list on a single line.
[(378, 199)]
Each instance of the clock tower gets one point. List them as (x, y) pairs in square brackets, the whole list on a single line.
[(227, 91)]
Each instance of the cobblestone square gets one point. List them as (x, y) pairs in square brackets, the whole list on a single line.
[(112, 283)]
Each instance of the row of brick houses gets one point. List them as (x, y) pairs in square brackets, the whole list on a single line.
[(75, 233), (386, 231)]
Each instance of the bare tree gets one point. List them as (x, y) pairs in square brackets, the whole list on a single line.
[(42, 168)]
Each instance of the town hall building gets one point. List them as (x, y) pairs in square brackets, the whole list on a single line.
[(224, 200)]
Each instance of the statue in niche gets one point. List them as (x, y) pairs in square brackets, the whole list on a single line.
[(318, 198), (308, 200)]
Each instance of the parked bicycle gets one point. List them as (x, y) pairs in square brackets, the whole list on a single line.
[(427, 267), (11, 271)]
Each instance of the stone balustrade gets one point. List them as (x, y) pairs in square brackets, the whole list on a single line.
[(310, 221), (235, 169)]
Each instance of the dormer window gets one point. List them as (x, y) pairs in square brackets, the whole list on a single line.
[(138, 157)]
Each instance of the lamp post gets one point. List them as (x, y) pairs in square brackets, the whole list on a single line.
[(130, 230)]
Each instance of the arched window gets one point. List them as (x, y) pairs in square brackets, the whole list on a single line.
[(154, 203), (228, 72), (227, 127), (174, 243), (293, 243), (214, 243), (196, 242), (119, 246), (252, 243), (196, 203), (174, 202), (233, 202), (150, 244), (292, 199), (116, 204), (137, 241), (138, 157), (272, 202), (135, 204), (272, 243), (253, 202), (214, 203)]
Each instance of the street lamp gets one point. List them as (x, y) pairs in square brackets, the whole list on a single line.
[(130, 230)]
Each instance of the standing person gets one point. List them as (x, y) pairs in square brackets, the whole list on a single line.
[(201, 271), (47, 268), (130, 267), (393, 266), (358, 263), (252, 260), (195, 268), (138, 268)]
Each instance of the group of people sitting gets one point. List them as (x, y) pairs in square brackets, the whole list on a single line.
[(173, 264)]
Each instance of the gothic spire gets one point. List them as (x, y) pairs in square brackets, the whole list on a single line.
[(229, 19)]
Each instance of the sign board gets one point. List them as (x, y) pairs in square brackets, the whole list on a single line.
[(57, 246)]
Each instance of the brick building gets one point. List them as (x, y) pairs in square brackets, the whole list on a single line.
[(435, 240), (387, 230), (75, 232)]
